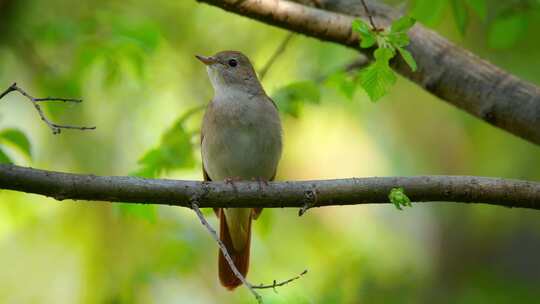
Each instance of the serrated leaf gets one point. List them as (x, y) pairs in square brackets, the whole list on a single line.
[(409, 59), (367, 37), (377, 78), (4, 159), (18, 139), (291, 98), (461, 15), (398, 197), (399, 39), (479, 7), (506, 31), (403, 24)]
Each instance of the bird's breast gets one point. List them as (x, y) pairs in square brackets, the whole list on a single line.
[(242, 140)]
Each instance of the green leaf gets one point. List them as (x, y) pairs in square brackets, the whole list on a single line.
[(461, 15), (403, 24), (409, 59), (506, 31), (175, 150), (429, 12), (398, 197), (377, 78), (18, 139), (479, 7), (343, 83), (367, 37), (398, 39), (291, 98), (4, 159), (398, 36)]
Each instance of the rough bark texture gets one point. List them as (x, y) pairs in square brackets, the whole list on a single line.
[(446, 70), (374, 190)]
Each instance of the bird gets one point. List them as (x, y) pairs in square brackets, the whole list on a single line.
[(241, 140)]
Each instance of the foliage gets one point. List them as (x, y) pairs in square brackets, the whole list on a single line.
[(506, 21), (290, 99), (398, 197), (174, 152), (15, 139), (378, 77)]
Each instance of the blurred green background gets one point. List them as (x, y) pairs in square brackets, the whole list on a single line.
[(132, 62)]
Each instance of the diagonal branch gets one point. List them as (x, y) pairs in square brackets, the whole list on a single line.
[(56, 128), (453, 74), (296, 194)]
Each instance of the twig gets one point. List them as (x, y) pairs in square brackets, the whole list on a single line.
[(281, 48), (311, 199), (276, 284), (251, 287), (195, 207), (368, 13), (56, 128)]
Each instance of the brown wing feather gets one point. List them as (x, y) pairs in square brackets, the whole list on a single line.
[(205, 174)]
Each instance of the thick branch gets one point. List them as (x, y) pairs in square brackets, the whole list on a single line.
[(446, 70), (374, 190)]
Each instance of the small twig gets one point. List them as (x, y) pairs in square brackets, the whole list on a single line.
[(195, 207), (311, 199), (368, 13), (275, 284), (251, 287), (56, 128), (281, 48)]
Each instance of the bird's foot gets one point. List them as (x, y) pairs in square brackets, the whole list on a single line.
[(231, 180), (261, 181)]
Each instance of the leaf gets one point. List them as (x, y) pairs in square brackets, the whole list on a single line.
[(4, 159), (409, 59), (377, 78), (398, 197), (175, 150), (343, 83), (479, 7), (429, 12), (367, 37), (506, 31), (461, 15), (18, 139), (291, 98), (403, 24), (398, 36)]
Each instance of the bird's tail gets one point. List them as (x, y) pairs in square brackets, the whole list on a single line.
[(240, 257)]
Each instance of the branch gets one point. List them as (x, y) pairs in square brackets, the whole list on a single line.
[(297, 194), (446, 70), (56, 128), (223, 248)]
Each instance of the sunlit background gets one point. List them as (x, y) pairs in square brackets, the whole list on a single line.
[(133, 64)]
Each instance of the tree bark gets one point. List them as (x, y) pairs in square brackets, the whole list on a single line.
[(299, 194), (447, 71)]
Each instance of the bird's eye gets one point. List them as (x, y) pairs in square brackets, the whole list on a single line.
[(233, 62)]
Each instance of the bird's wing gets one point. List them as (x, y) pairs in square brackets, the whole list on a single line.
[(205, 174)]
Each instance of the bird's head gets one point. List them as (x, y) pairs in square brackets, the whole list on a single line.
[(231, 70)]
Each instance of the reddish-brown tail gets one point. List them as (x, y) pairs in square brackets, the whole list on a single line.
[(240, 258)]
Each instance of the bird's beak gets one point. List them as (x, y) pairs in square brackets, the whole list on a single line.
[(206, 60)]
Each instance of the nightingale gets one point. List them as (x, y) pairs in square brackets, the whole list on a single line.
[(240, 140)]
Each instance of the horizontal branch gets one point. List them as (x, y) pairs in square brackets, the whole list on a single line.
[(444, 69), (299, 194)]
